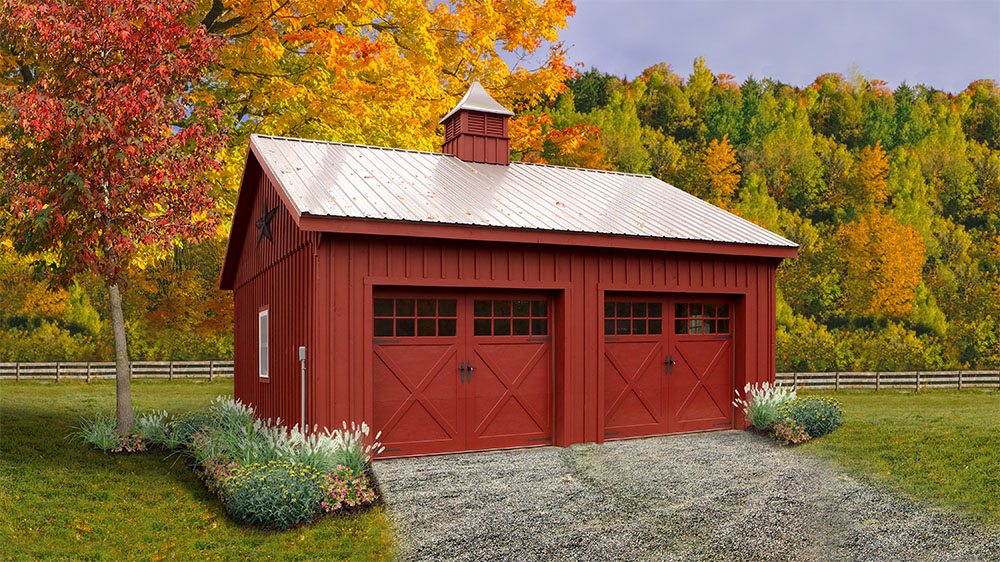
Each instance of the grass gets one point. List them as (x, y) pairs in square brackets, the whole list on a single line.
[(939, 446), (62, 500)]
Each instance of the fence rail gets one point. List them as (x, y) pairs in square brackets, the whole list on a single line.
[(88, 371), (878, 380)]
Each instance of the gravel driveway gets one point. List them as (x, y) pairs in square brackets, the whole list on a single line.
[(716, 496)]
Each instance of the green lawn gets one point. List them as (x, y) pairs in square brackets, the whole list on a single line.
[(60, 499), (941, 446)]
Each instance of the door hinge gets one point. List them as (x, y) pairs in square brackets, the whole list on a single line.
[(539, 439), (611, 338), (607, 433), (546, 338), (382, 340), (391, 450)]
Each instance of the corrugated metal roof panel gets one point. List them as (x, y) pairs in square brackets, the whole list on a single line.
[(344, 180)]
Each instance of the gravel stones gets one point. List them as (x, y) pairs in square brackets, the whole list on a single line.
[(713, 496)]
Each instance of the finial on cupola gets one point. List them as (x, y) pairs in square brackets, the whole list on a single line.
[(475, 130)]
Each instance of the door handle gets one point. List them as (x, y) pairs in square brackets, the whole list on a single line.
[(669, 364), (469, 369), (461, 371)]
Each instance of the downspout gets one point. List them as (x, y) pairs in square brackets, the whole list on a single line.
[(302, 361)]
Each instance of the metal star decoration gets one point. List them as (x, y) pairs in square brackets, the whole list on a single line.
[(264, 224)]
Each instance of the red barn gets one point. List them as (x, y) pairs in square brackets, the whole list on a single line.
[(458, 301)]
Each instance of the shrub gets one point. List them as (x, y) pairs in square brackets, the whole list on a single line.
[(216, 472), (275, 495), (343, 489), (187, 425), (99, 432), (761, 403), (787, 431), (818, 416)]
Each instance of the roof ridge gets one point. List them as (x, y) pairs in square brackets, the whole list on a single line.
[(430, 153), (351, 144)]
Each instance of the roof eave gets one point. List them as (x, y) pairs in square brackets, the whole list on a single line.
[(383, 227)]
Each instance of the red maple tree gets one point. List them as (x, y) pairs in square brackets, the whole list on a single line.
[(103, 151)]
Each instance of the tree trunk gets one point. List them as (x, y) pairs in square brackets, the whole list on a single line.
[(123, 386)]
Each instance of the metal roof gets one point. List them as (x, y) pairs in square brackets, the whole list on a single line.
[(345, 180), (476, 98)]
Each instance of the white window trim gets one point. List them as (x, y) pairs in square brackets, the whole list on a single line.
[(264, 344)]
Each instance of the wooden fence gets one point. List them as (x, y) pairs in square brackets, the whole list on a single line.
[(106, 370), (875, 380)]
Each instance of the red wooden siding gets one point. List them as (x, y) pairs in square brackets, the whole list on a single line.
[(349, 267), (277, 274), (477, 137)]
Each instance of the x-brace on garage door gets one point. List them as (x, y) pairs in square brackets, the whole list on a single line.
[(461, 372)]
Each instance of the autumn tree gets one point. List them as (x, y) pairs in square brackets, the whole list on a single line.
[(107, 149), (869, 183), (720, 171), (882, 263)]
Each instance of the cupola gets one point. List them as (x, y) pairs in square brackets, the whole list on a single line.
[(475, 130)]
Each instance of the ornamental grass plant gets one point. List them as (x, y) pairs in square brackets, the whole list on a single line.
[(760, 403)]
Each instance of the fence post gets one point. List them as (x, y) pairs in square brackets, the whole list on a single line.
[(130, 370), (836, 381), (88, 371), (960, 380), (211, 370), (58, 371), (795, 381), (917, 377), (17, 371), (878, 380), (170, 371)]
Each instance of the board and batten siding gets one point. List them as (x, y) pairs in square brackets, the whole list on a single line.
[(350, 267), (277, 274)]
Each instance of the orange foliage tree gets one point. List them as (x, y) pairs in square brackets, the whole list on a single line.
[(721, 171), (882, 262)]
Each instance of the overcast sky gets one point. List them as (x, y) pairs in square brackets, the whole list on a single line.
[(942, 43)]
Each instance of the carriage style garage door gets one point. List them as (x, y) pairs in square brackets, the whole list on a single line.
[(461, 372), (668, 365)]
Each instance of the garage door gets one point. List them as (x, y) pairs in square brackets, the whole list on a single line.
[(461, 372), (668, 365)]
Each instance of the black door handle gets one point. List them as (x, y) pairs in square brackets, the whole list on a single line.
[(469, 368), (669, 363), (461, 371)]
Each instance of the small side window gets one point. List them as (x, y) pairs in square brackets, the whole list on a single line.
[(263, 366)]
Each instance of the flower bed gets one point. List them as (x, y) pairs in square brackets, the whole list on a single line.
[(265, 474), (790, 420)]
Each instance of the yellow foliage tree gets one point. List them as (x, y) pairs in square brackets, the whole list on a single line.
[(882, 263), (870, 182), (721, 171)]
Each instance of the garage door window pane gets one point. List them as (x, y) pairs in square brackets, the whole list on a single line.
[(404, 307), (539, 327), (501, 327), (609, 309), (633, 318), (446, 327), (639, 327), (383, 327), (483, 308), (623, 327), (522, 308), (655, 310), (426, 327), (609, 327), (624, 310), (702, 319), (383, 307), (404, 327), (482, 327), (680, 326), (723, 326), (501, 308), (446, 307), (521, 327), (655, 327), (539, 308), (426, 307)]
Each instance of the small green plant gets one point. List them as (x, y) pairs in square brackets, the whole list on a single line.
[(818, 416), (99, 432), (275, 495), (760, 403), (787, 431)]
